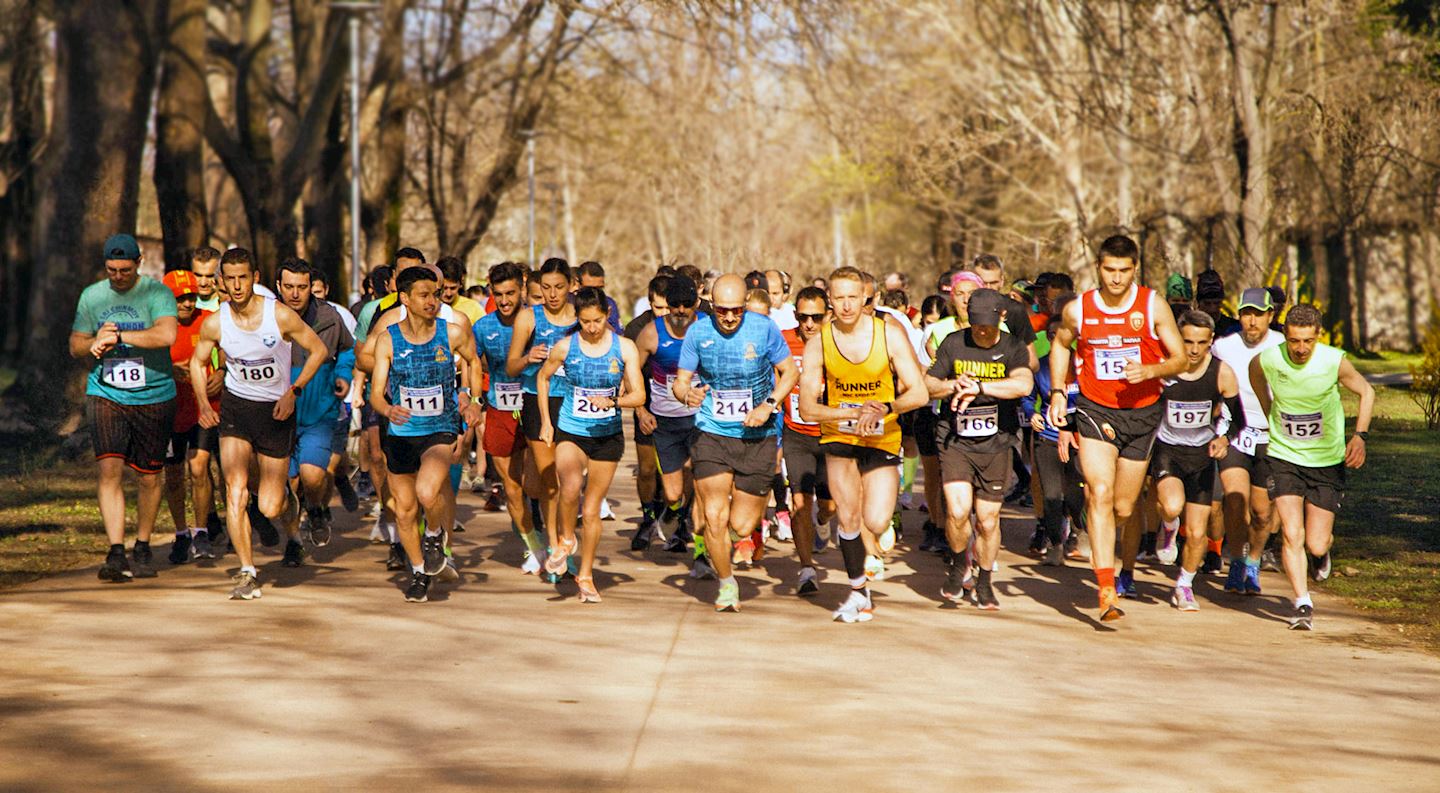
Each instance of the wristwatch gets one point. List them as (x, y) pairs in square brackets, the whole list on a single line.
[(295, 389), (770, 400), (1364, 436)]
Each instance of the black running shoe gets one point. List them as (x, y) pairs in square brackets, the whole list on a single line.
[(953, 589), (1037, 541), (269, 536), (348, 497), (201, 545), (397, 560), (985, 595), (116, 569), (1319, 567), (419, 589), (934, 539), (294, 554), (1301, 619), (642, 537), (319, 527), (142, 561), (432, 550), (180, 550), (1213, 564), (219, 541)]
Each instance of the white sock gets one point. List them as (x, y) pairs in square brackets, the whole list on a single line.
[(858, 583), (196, 531), (1304, 600), (1173, 524), (431, 531), (250, 568), (727, 580), (417, 569), (390, 530), (1186, 578)]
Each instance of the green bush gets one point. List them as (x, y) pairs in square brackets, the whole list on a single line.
[(1426, 388)]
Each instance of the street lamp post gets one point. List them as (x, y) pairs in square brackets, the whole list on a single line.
[(355, 9), (529, 135)]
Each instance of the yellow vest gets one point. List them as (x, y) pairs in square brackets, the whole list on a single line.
[(851, 384)]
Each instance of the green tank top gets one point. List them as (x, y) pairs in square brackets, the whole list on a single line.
[(1307, 421)]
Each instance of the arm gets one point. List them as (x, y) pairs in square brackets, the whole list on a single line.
[(812, 381), (1260, 385), (553, 362), (646, 342), (521, 355), (1230, 393), (209, 336), (159, 335), (1060, 345), (1351, 378), (633, 394), (92, 344), (785, 377), (365, 355), (462, 343), (1169, 334)]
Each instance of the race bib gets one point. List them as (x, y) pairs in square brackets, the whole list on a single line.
[(978, 421), (1110, 364), (1249, 440), (1303, 426), (126, 373), (1188, 415), (585, 406), (423, 402), (508, 396), (262, 371), (795, 409), (731, 406), (852, 426)]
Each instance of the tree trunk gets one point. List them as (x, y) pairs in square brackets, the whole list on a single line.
[(324, 205), (17, 205), (380, 210), (179, 172), (1340, 310), (91, 175)]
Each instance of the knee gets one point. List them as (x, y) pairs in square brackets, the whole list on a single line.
[(272, 505)]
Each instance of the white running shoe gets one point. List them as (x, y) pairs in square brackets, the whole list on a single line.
[(856, 608), (886, 540), (378, 535), (531, 565), (605, 512), (874, 568)]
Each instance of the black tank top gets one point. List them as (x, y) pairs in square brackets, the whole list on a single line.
[(1190, 407)]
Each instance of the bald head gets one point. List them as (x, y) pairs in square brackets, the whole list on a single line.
[(729, 290)]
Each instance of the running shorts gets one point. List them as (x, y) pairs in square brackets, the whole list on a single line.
[(530, 414), (866, 458), (751, 461), (604, 448), (641, 438), (502, 433), (313, 446), (254, 422), (1192, 465), (403, 452), (1131, 430), (138, 434), (805, 465), (987, 472), (1322, 487), (673, 437), (1257, 464)]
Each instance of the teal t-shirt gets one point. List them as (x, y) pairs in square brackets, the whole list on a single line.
[(128, 375)]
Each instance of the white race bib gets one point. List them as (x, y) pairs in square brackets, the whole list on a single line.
[(731, 406), (1188, 415), (508, 396), (1110, 363), (261, 371), (126, 373), (585, 407), (852, 426), (795, 409), (978, 421), (1303, 426), (1250, 439), (423, 402)]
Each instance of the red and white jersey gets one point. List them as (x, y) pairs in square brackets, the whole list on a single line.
[(1109, 340)]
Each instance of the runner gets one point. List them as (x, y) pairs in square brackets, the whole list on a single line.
[(534, 333), (1057, 469), (866, 372), (804, 457), (745, 369), (414, 389), (1186, 448), (934, 309), (1125, 340), (338, 473), (257, 410), (1297, 385), (205, 264), (502, 439), (127, 323), (979, 375), (591, 274), (647, 475), (1245, 469), (602, 375), (190, 445)]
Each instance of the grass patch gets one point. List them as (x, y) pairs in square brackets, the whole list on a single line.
[(50, 521), (1386, 362)]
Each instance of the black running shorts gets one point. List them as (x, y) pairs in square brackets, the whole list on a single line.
[(530, 414), (138, 434), (403, 452), (1192, 465), (805, 465), (866, 458), (1131, 430), (987, 472), (751, 461), (672, 439), (605, 448), (1322, 487), (254, 422)]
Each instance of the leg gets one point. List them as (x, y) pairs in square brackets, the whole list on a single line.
[(175, 495), (648, 469), (847, 487), (1291, 512), (1236, 506), (313, 483), (601, 475), (112, 498), (1197, 521), (235, 462), (549, 491), (1098, 462), (959, 500), (407, 515), (987, 514), (880, 488), (275, 498), (713, 495), (930, 464), (570, 462), (202, 489)]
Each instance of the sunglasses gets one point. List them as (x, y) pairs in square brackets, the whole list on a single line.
[(728, 311), (869, 300), (809, 317), (682, 305)]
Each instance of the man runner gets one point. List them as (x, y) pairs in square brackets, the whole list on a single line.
[(804, 457), (1297, 385), (1125, 339), (189, 444), (257, 410)]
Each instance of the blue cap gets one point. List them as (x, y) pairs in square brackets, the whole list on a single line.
[(122, 246)]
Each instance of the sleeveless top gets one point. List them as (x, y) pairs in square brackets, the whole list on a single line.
[(548, 334), (1108, 341), (422, 379), (853, 383), (739, 372), (592, 376), (663, 366), (492, 339), (1233, 350), (257, 362), (1190, 408), (793, 422), (1307, 420)]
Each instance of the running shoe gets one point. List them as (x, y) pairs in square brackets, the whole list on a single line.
[(1078, 545), (808, 583), (1183, 598), (701, 569), (364, 487), (933, 540), (1235, 581), (1301, 619), (1125, 585), (1319, 567), (605, 512), (820, 542), (378, 535), (874, 568), (348, 497), (1147, 547), (531, 565), (1269, 562), (1054, 557), (968, 581), (744, 551), (783, 530), (450, 573), (432, 551), (116, 568), (953, 589), (728, 598), (1037, 541), (200, 545), (182, 551), (419, 589), (556, 563), (493, 502), (1109, 608), (316, 529), (886, 540), (142, 561), (1213, 564), (985, 595), (676, 544), (1252, 580), (643, 535), (397, 560), (1165, 549), (907, 502), (856, 608), (269, 537), (588, 592), (294, 554), (477, 485), (247, 587), (459, 528)]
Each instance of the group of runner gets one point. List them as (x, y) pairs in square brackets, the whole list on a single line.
[(827, 404)]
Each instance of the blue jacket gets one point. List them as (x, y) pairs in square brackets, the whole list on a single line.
[(317, 403), (1040, 400)]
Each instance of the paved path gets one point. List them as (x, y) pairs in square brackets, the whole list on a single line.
[(332, 681)]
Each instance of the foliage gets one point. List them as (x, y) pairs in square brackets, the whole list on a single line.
[(1425, 390)]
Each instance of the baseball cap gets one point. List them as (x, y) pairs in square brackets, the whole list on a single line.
[(182, 282), (1258, 298), (985, 307), (1177, 287), (122, 246), (1023, 287), (1211, 292), (756, 280)]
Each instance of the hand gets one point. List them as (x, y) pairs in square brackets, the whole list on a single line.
[(1219, 447), (1136, 373), (538, 353), (758, 415), (1355, 452), (473, 414), (872, 416), (1037, 422), (647, 420), (181, 372), (965, 392), (456, 453), (284, 406), (104, 342), (214, 382), (397, 415), (1056, 412), (547, 434), (341, 388), (1068, 440), (696, 395), (208, 417)]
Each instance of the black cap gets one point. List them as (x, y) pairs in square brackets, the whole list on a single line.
[(985, 307), (756, 280), (681, 292)]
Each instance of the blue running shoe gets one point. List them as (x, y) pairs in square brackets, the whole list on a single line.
[(1252, 580), (1235, 582), (1125, 585)]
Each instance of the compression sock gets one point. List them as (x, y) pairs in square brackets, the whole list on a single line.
[(907, 473), (1105, 577), (853, 551)]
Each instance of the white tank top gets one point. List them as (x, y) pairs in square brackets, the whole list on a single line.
[(257, 362), (1233, 351)]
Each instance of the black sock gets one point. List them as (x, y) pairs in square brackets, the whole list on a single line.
[(777, 484), (853, 550), (139, 544), (118, 547), (984, 575)]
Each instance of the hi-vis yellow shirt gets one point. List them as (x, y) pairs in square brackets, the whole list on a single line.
[(851, 384)]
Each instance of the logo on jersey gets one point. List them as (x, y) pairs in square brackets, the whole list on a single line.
[(269, 340), (492, 337), (1137, 320), (750, 352), (707, 344), (614, 366), (1115, 340), (440, 356), (670, 343)]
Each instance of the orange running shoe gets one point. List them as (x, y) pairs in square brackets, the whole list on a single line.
[(1109, 612), (588, 592)]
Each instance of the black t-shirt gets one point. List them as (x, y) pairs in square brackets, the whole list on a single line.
[(632, 330), (988, 425), (1017, 319)]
